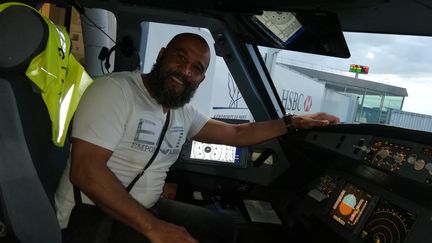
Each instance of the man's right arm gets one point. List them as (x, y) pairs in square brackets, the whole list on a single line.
[(90, 173)]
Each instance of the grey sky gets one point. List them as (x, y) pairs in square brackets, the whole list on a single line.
[(404, 61)]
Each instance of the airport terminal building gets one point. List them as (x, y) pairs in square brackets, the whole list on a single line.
[(374, 100)]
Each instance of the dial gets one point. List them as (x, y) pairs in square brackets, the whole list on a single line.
[(428, 167), (419, 164), (412, 159)]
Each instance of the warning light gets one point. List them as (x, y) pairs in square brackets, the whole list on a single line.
[(359, 69)]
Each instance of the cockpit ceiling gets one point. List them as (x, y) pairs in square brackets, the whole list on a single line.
[(411, 17)]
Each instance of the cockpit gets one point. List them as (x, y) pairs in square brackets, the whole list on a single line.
[(367, 179)]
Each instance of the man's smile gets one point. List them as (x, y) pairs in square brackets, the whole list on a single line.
[(177, 80), (177, 83)]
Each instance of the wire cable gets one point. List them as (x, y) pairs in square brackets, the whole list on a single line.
[(80, 8), (98, 27)]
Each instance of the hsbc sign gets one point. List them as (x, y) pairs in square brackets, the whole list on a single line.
[(296, 101), (307, 104)]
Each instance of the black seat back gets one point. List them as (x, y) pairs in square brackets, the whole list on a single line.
[(30, 164)]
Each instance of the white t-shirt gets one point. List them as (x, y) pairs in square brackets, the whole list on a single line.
[(118, 113)]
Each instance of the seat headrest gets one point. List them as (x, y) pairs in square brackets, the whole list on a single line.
[(24, 34)]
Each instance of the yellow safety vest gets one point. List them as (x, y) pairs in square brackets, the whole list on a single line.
[(60, 77)]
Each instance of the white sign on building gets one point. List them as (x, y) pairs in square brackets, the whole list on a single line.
[(299, 94)]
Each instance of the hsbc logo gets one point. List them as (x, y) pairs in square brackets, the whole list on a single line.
[(307, 104), (295, 101)]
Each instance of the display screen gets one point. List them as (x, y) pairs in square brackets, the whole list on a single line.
[(195, 152), (350, 205), (359, 69), (388, 223), (282, 27), (215, 152)]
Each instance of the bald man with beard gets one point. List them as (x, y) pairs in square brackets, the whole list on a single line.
[(115, 132)]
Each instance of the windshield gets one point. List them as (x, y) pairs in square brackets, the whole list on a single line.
[(386, 80)]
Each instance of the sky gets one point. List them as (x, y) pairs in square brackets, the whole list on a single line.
[(404, 61)]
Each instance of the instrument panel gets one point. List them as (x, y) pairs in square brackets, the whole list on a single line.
[(407, 159), (380, 186), (388, 155), (366, 214), (413, 161)]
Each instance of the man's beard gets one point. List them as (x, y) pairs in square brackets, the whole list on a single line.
[(166, 96)]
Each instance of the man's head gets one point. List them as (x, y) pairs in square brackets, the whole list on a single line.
[(180, 68)]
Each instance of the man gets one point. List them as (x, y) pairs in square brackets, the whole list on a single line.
[(115, 132)]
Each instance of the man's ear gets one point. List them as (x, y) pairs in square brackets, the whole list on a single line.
[(161, 52)]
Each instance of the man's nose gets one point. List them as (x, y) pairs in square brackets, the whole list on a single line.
[(185, 69)]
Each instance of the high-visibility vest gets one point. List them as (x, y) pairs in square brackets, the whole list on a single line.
[(61, 79)]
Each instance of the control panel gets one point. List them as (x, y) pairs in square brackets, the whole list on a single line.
[(362, 213), (410, 160), (405, 158), (386, 154), (379, 183)]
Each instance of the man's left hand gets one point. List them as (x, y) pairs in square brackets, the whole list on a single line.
[(319, 119)]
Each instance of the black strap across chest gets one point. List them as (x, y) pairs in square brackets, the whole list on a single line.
[(77, 194)]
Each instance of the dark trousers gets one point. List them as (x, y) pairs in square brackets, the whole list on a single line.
[(204, 225)]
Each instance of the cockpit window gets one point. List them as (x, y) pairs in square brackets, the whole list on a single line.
[(386, 80)]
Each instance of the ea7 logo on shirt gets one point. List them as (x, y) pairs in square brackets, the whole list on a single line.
[(145, 138)]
